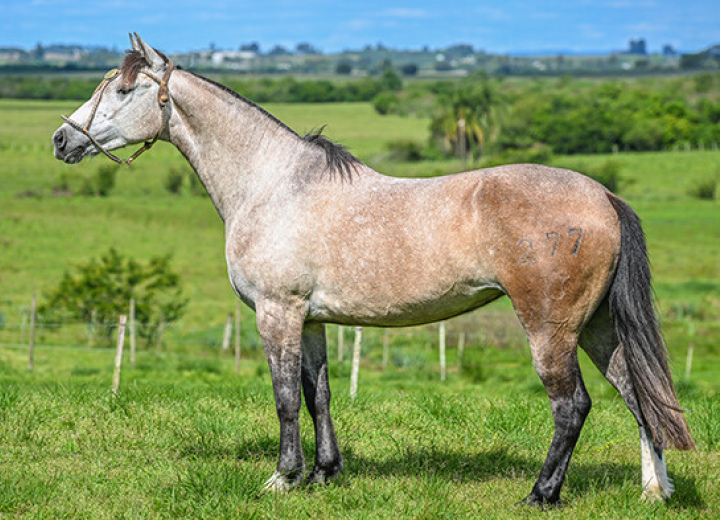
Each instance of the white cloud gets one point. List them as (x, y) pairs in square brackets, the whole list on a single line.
[(400, 12)]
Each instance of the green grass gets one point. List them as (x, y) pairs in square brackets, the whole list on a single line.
[(187, 438)]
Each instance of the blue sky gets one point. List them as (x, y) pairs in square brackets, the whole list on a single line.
[(333, 25)]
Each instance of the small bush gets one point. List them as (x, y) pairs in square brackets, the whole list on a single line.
[(607, 173), (385, 103), (100, 184), (405, 150), (100, 290), (174, 181), (105, 179), (705, 189), (87, 188)]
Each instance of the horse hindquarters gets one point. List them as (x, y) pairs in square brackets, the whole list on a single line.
[(555, 251)]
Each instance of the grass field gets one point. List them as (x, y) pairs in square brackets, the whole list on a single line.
[(187, 438)]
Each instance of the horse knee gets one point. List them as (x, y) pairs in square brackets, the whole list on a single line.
[(288, 409)]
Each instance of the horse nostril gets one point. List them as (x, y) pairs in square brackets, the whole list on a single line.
[(59, 140)]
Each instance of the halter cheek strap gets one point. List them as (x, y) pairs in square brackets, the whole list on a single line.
[(163, 98)]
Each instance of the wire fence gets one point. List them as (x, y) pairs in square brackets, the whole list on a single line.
[(215, 326)]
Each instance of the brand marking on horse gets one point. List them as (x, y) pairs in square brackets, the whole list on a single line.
[(528, 256)]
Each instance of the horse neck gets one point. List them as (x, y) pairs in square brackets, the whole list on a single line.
[(239, 152)]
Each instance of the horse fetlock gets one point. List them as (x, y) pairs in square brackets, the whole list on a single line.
[(281, 482), (323, 475)]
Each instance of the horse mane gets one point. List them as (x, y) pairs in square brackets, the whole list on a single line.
[(337, 157)]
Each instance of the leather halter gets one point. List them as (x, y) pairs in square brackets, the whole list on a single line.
[(163, 97)]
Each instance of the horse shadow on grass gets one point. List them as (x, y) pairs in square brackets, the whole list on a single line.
[(461, 467)]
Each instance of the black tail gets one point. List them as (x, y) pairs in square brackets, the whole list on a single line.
[(633, 313)]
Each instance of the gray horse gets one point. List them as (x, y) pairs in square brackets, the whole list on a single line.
[(314, 236)]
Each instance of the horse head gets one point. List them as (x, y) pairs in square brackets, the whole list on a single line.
[(129, 106)]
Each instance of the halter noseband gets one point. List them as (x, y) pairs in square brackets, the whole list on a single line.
[(163, 97)]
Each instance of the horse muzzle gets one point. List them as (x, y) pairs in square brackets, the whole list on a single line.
[(71, 146)]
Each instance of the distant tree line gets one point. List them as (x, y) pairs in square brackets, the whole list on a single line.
[(612, 115), (286, 89), (481, 114)]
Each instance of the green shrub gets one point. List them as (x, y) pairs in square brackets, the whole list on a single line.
[(105, 179), (174, 181), (607, 173), (705, 189), (100, 290), (385, 103), (405, 150)]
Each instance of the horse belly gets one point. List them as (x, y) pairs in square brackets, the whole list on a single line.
[(385, 307)]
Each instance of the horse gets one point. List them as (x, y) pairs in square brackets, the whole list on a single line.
[(315, 236)]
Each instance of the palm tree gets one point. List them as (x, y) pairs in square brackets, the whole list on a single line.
[(467, 118)]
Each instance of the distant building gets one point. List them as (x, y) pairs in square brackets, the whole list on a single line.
[(638, 46), (12, 54), (669, 51)]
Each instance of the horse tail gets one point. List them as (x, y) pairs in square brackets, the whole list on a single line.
[(632, 310)]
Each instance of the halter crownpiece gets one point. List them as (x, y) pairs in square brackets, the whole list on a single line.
[(163, 97)]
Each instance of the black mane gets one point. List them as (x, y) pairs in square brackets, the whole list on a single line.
[(338, 159)]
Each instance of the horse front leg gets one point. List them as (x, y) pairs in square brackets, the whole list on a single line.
[(316, 387), (280, 326)]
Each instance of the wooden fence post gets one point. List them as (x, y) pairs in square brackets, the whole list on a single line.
[(118, 355), (132, 331), (460, 347), (237, 337), (31, 350), (341, 338), (691, 349), (386, 348), (227, 334), (441, 340), (355, 363)]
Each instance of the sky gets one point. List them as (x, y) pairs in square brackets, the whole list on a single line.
[(506, 26)]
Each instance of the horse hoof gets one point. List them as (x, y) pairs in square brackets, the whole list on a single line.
[(656, 494), (322, 477), (539, 502), (282, 482)]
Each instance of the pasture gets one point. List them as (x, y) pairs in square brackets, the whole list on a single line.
[(188, 438)]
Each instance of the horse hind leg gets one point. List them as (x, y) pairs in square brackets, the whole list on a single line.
[(555, 356), (600, 342)]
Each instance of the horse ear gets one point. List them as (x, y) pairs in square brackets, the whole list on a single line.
[(134, 43), (151, 56)]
